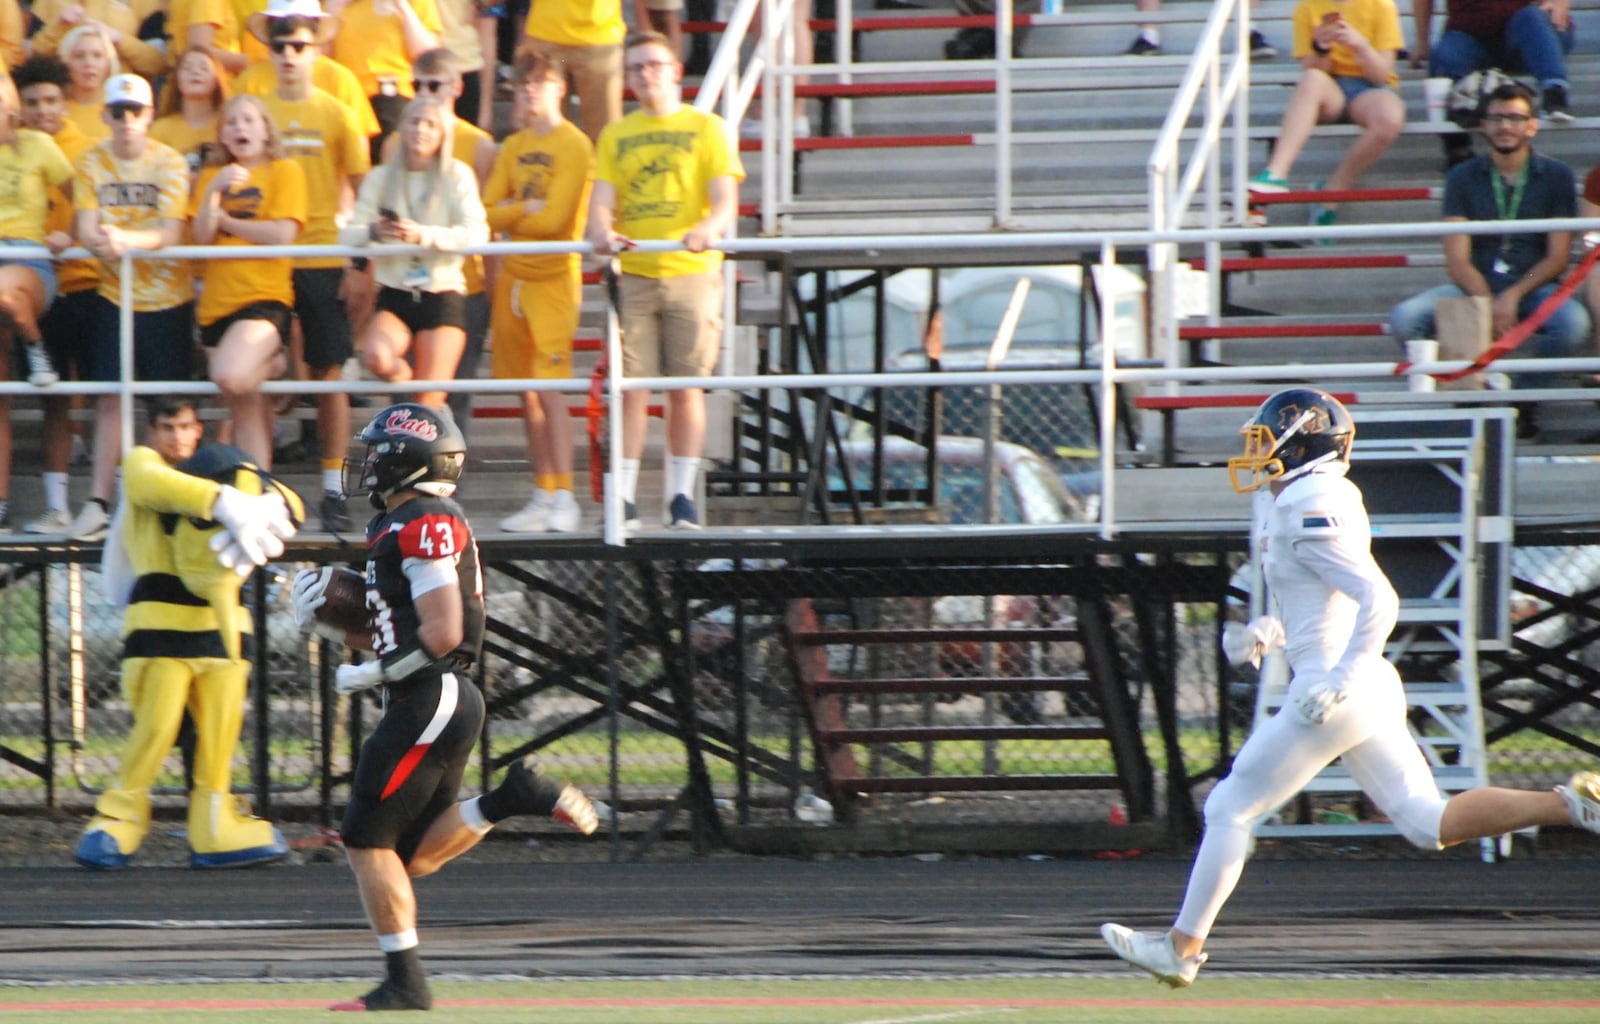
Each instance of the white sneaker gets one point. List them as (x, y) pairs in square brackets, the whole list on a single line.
[(564, 513), (41, 372), (1582, 794), (91, 524), (1153, 953), (534, 517), (55, 523)]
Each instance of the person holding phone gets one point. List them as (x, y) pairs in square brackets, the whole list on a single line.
[(420, 196), (1348, 50)]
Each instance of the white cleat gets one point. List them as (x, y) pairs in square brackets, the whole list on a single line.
[(1154, 953), (1582, 794)]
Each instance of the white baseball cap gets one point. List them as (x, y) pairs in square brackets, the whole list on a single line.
[(128, 91)]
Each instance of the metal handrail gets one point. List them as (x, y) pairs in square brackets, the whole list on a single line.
[(1108, 375)]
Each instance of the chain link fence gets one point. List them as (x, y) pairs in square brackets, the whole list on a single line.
[(629, 675)]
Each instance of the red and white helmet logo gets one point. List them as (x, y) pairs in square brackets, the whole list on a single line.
[(402, 422)]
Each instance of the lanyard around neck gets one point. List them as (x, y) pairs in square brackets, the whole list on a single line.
[(1504, 209)]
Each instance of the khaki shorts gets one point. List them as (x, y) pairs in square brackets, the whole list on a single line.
[(534, 322), (596, 76), (663, 5), (671, 326)]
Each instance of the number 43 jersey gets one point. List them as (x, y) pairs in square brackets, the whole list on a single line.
[(421, 546)]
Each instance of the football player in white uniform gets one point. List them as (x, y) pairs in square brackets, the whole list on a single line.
[(1335, 609)]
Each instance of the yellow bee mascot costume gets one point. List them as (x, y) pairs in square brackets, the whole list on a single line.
[(184, 539)]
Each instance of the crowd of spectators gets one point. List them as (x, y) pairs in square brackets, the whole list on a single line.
[(145, 124)]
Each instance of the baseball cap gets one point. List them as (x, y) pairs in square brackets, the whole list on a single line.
[(128, 91)]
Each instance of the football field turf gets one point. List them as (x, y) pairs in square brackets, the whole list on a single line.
[(854, 1001)]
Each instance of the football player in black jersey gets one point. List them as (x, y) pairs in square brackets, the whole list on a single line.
[(425, 600)]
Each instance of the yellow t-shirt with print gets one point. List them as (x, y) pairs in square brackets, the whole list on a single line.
[(373, 45), (138, 195), (73, 275), (557, 167), (328, 75), (662, 169), (30, 169), (1378, 20), (320, 134), (276, 191), (577, 22)]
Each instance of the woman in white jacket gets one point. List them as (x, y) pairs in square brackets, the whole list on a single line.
[(420, 196)]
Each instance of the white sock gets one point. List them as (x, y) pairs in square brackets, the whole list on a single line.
[(55, 492), (472, 817), (333, 480), (684, 470), (399, 942), (630, 479), (1151, 35)]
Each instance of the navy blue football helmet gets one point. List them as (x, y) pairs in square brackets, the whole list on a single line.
[(1292, 433)]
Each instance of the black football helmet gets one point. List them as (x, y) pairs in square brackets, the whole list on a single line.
[(1292, 433), (409, 446)]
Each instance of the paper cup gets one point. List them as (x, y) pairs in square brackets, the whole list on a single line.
[(1436, 92), (1422, 350)]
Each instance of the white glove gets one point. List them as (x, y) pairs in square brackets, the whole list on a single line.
[(243, 554), (1317, 703), (348, 679), (257, 526), (310, 592), (1243, 642)]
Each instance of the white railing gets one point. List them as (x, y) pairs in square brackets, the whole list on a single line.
[(1221, 82), (1029, 248)]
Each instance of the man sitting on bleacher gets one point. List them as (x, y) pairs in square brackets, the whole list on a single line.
[(1515, 271)]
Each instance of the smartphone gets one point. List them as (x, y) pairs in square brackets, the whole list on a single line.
[(387, 214)]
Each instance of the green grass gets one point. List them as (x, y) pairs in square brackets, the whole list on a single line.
[(1003, 1001)]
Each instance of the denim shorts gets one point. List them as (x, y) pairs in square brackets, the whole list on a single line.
[(1353, 86), (46, 269)]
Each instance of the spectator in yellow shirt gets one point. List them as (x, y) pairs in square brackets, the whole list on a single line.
[(665, 172), (12, 33), (191, 107), (250, 195), (43, 83), (539, 192), (35, 166), (92, 61), (327, 74), (321, 134), (378, 40), (121, 21), (132, 193)]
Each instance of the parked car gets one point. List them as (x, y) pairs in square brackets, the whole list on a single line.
[(1030, 491)]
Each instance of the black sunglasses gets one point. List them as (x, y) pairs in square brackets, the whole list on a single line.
[(121, 110), (297, 45)]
